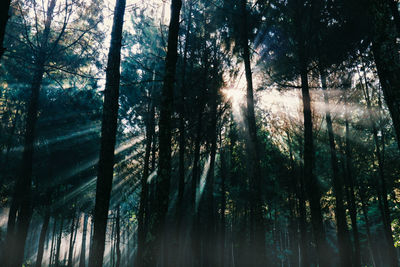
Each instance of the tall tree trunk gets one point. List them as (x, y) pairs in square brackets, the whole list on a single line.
[(294, 204), (144, 194), (71, 241), (301, 195), (257, 236), (210, 225), (373, 252), (118, 235), (387, 60), (382, 191), (394, 9), (223, 205), (82, 260), (182, 121), (313, 190), (164, 163), (17, 227), (52, 242), (108, 137), (59, 239), (351, 194), (345, 248), (42, 238), (194, 188), (4, 9)]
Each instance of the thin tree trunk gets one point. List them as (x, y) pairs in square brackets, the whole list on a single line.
[(223, 206), (182, 121), (194, 185), (257, 236), (367, 226), (42, 238), (118, 234), (71, 243), (52, 242), (313, 190), (210, 230), (108, 138), (345, 248), (383, 188), (351, 194), (57, 256), (82, 260), (144, 195)]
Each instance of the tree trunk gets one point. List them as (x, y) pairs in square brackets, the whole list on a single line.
[(194, 188), (108, 137), (4, 8), (223, 206), (164, 163), (42, 238), (182, 121), (52, 242), (345, 248), (394, 9), (71, 243), (311, 181), (82, 260), (143, 208), (351, 194), (118, 234), (387, 60), (57, 255), (383, 188), (257, 236), (209, 225), (367, 227), (17, 227)]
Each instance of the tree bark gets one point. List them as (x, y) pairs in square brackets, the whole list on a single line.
[(344, 244), (52, 242), (82, 260), (57, 255), (257, 236), (387, 60), (223, 205), (4, 16), (312, 187), (42, 238), (71, 242), (210, 225), (108, 138), (144, 195), (164, 163), (351, 195), (17, 227), (383, 188), (182, 121), (118, 234)]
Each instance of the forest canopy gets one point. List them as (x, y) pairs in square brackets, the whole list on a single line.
[(200, 133)]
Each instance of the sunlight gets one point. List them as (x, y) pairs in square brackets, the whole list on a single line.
[(278, 102), (236, 98), (75, 134), (128, 144), (151, 176), (203, 180)]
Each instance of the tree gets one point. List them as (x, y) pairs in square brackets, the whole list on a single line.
[(5, 6), (108, 137)]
